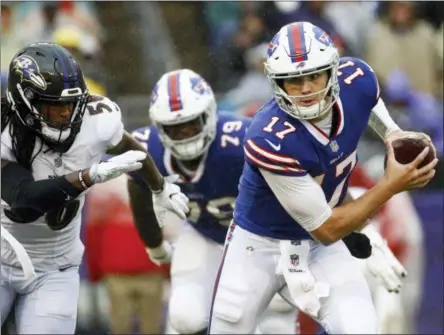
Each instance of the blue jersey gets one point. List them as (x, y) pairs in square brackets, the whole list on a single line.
[(214, 188), (279, 143)]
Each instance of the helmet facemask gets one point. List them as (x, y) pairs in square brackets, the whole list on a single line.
[(195, 146), (29, 112), (326, 97)]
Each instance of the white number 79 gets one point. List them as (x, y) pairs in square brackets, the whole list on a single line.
[(229, 127)]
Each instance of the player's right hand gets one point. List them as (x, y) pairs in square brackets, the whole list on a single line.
[(382, 263), (403, 177), (171, 199), (117, 165), (162, 254)]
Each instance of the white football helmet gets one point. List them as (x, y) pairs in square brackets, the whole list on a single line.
[(300, 49), (179, 97)]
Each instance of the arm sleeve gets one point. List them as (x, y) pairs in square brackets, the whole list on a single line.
[(381, 121), (266, 155), (302, 197), (29, 199), (145, 220)]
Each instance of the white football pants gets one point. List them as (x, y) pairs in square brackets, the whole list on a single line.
[(194, 268), (46, 304), (247, 282)]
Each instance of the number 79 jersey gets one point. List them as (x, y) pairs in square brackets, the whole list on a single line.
[(284, 145), (214, 187)]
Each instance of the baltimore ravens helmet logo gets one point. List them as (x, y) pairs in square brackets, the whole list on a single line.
[(29, 71)]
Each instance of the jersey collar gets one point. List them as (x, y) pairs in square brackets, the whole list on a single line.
[(319, 134), (168, 163)]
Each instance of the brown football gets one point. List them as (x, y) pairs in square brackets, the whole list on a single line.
[(407, 149)]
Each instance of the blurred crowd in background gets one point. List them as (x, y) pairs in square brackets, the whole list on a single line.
[(124, 47)]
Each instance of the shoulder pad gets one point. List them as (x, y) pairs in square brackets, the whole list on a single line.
[(273, 142), (271, 155), (142, 135), (231, 131), (357, 74), (106, 118)]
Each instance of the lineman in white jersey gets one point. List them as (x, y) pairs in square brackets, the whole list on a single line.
[(53, 137)]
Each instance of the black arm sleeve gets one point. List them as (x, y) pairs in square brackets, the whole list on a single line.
[(145, 220), (30, 199)]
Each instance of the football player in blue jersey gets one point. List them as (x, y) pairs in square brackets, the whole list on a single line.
[(293, 210), (203, 148)]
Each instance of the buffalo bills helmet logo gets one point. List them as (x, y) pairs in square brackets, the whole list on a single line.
[(154, 94), (322, 36), (200, 86), (273, 45), (29, 71)]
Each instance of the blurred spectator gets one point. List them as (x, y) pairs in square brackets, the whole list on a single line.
[(74, 40), (433, 12), (43, 18), (12, 41), (116, 255), (439, 43), (229, 62), (254, 88), (414, 110), (361, 17), (402, 41), (311, 11), (41, 23), (223, 19)]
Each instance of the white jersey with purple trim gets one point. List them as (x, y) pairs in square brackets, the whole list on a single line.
[(101, 129)]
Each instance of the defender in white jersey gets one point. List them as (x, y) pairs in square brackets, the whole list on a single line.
[(53, 137)]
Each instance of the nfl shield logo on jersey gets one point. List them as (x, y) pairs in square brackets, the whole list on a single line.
[(334, 146), (294, 259)]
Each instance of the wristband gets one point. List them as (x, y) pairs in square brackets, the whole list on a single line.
[(82, 182)]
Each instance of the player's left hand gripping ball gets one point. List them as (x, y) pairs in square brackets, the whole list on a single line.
[(115, 166), (171, 198), (398, 134)]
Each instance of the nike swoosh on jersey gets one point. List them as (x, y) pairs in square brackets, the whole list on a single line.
[(276, 147)]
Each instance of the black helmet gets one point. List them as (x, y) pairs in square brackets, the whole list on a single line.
[(47, 74)]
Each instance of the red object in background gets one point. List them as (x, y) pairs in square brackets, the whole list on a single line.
[(112, 244), (66, 6)]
